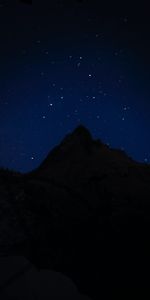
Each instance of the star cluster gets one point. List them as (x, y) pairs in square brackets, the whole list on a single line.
[(69, 64)]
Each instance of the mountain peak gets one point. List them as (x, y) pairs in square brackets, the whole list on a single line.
[(80, 135), (81, 132), (78, 147)]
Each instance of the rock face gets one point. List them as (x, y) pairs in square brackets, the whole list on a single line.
[(19, 279), (84, 212)]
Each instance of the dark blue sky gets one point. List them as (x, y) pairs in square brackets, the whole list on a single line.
[(67, 63)]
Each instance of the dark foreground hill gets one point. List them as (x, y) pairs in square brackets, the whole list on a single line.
[(85, 212)]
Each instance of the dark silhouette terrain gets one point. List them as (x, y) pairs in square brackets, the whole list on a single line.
[(26, 1), (85, 212)]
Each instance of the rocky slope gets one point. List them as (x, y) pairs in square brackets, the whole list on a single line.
[(84, 212)]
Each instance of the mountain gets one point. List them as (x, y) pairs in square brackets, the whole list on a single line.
[(83, 212)]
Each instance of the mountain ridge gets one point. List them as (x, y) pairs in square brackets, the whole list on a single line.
[(79, 157)]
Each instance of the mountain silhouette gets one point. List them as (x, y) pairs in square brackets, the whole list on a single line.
[(83, 212)]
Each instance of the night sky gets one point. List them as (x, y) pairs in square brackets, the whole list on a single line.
[(65, 63)]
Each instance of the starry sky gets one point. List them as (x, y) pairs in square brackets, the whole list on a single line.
[(64, 63)]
